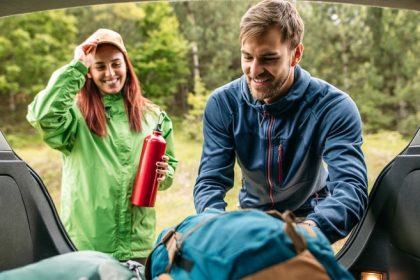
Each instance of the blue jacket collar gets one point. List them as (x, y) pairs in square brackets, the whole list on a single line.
[(284, 104)]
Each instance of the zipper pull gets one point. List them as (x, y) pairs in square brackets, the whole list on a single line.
[(263, 117)]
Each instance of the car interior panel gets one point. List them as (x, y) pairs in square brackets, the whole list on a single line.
[(31, 229), (386, 239)]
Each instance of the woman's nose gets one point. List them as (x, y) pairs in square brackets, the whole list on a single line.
[(110, 71)]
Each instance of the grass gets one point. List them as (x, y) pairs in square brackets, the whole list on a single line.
[(176, 203), (379, 149)]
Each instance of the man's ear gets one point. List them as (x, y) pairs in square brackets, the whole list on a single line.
[(298, 53)]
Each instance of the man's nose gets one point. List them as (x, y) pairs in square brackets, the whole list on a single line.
[(256, 68)]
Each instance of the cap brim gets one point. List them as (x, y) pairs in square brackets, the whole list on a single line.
[(114, 44)]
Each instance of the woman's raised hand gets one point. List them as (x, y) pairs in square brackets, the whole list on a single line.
[(85, 52)]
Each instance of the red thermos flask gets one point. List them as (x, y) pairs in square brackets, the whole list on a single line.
[(146, 184)]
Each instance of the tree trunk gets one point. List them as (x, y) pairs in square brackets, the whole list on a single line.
[(179, 102), (12, 103), (196, 63)]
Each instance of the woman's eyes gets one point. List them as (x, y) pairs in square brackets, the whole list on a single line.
[(103, 67)]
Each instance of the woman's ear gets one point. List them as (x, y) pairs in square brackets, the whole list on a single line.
[(298, 53), (89, 75)]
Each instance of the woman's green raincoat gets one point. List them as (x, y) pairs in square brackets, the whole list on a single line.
[(98, 172)]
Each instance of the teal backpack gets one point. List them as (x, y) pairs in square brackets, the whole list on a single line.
[(247, 244)]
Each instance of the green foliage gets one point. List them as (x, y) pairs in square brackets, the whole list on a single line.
[(161, 59), (193, 122), (216, 36), (372, 54), (122, 18), (32, 46)]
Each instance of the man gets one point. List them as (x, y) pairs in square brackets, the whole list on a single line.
[(283, 126)]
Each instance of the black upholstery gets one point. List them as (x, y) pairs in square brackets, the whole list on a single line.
[(30, 229), (387, 238)]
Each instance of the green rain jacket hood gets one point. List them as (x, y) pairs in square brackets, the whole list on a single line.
[(98, 172)]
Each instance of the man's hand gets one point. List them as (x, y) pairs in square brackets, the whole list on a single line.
[(309, 223)]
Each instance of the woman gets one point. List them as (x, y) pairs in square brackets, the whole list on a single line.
[(92, 110)]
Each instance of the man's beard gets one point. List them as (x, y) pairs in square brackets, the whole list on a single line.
[(270, 92)]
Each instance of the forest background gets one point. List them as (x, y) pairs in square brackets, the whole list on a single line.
[(182, 51)]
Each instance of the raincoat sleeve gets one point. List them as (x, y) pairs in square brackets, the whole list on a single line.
[(52, 111), (168, 135)]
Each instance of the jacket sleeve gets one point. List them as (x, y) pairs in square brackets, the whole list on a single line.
[(216, 171), (168, 135), (347, 176), (52, 111)]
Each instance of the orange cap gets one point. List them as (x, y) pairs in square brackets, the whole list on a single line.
[(107, 36)]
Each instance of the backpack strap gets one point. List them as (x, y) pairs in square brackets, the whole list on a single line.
[(147, 270), (173, 242), (297, 239)]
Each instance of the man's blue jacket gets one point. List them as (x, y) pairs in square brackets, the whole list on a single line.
[(283, 149)]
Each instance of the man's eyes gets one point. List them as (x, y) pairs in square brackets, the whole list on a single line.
[(269, 58), (262, 59)]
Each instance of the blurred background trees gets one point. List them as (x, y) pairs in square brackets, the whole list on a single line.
[(31, 47), (182, 51)]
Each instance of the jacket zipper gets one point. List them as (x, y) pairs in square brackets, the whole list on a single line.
[(263, 118), (280, 163), (270, 183)]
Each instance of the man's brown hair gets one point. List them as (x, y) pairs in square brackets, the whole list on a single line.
[(273, 13)]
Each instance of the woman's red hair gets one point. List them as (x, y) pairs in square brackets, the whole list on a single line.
[(90, 103)]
